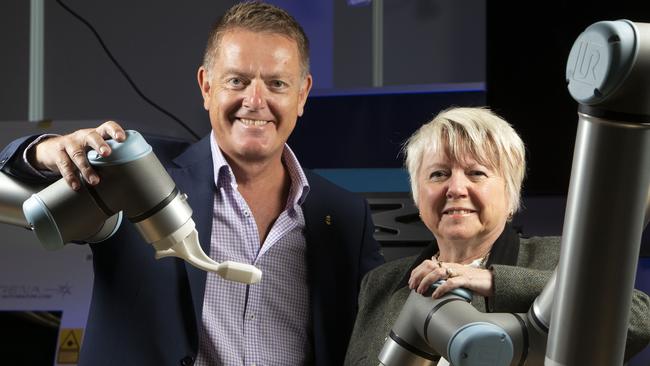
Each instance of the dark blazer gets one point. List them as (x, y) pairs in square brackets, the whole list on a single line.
[(147, 312), (521, 268)]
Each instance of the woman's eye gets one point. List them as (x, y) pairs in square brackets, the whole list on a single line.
[(438, 174), (477, 173)]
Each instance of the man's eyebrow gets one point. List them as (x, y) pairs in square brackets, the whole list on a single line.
[(276, 75), (234, 71), (249, 75)]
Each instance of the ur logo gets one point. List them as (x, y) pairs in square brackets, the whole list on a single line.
[(588, 58)]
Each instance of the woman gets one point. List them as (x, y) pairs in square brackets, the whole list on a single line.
[(466, 168)]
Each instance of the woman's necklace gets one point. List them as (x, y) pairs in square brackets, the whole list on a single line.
[(476, 263)]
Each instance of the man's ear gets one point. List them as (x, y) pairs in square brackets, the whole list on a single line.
[(303, 93), (204, 85)]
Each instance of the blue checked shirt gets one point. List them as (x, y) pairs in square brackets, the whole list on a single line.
[(268, 323)]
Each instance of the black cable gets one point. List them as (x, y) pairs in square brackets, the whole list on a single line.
[(124, 73)]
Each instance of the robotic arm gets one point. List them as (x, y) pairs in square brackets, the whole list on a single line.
[(135, 185), (451, 327), (608, 72)]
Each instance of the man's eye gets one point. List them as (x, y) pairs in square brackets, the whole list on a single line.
[(278, 84), (235, 82)]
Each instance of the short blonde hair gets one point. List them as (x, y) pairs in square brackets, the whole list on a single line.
[(476, 133)]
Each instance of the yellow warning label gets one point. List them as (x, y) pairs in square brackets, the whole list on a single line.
[(69, 346)]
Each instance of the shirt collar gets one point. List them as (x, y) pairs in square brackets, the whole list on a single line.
[(299, 185)]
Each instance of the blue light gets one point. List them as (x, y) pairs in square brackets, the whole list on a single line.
[(359, 2)]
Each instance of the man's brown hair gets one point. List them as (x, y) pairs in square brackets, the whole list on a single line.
[(257, 16)]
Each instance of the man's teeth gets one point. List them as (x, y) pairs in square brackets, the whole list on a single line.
[(458, 212), (253, 122)]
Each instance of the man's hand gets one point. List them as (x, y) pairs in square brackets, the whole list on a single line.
[(67, 154)]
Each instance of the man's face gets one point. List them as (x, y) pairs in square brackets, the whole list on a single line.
[(255, 94)]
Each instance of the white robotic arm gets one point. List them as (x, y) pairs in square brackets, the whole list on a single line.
[(135, 185)]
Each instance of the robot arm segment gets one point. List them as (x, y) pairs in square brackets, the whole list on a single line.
[(452, 327), (134, 184), (12, 195), (608, 72)]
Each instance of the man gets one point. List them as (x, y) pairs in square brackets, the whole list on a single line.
[(252, 203)]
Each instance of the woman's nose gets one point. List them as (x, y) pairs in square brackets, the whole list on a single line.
[(255, 98), (457, 186)]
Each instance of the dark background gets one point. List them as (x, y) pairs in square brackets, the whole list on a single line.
[(514, 51), (517, 49), (520, 56), (160, 43), (528, 44), (527, 47)]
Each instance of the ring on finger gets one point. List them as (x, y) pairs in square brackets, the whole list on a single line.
[(450, 272)]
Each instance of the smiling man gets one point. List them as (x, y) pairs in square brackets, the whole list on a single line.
[(252, 203)]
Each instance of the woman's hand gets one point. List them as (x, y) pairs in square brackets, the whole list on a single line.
[(478, 280)]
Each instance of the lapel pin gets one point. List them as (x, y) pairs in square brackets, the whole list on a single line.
[(328, 220)]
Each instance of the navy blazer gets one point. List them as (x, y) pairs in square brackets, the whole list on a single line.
[(147, 312)]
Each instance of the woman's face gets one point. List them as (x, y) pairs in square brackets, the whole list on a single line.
[(461, 201)]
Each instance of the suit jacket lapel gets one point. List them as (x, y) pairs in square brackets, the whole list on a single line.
[(195, 177), (317, 236)]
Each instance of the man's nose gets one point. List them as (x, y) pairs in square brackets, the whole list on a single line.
[(457, 185), (255, 98)]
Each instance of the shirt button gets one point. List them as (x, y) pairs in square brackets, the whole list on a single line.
[(246, 213), (251, 316)]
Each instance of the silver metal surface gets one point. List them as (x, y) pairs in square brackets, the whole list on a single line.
[(394, 354), (443, 318), (134, 187), (600, 244), (608, 73), (12, 195), (75, 213), (165, 221), (543, 305), (108, 228)]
